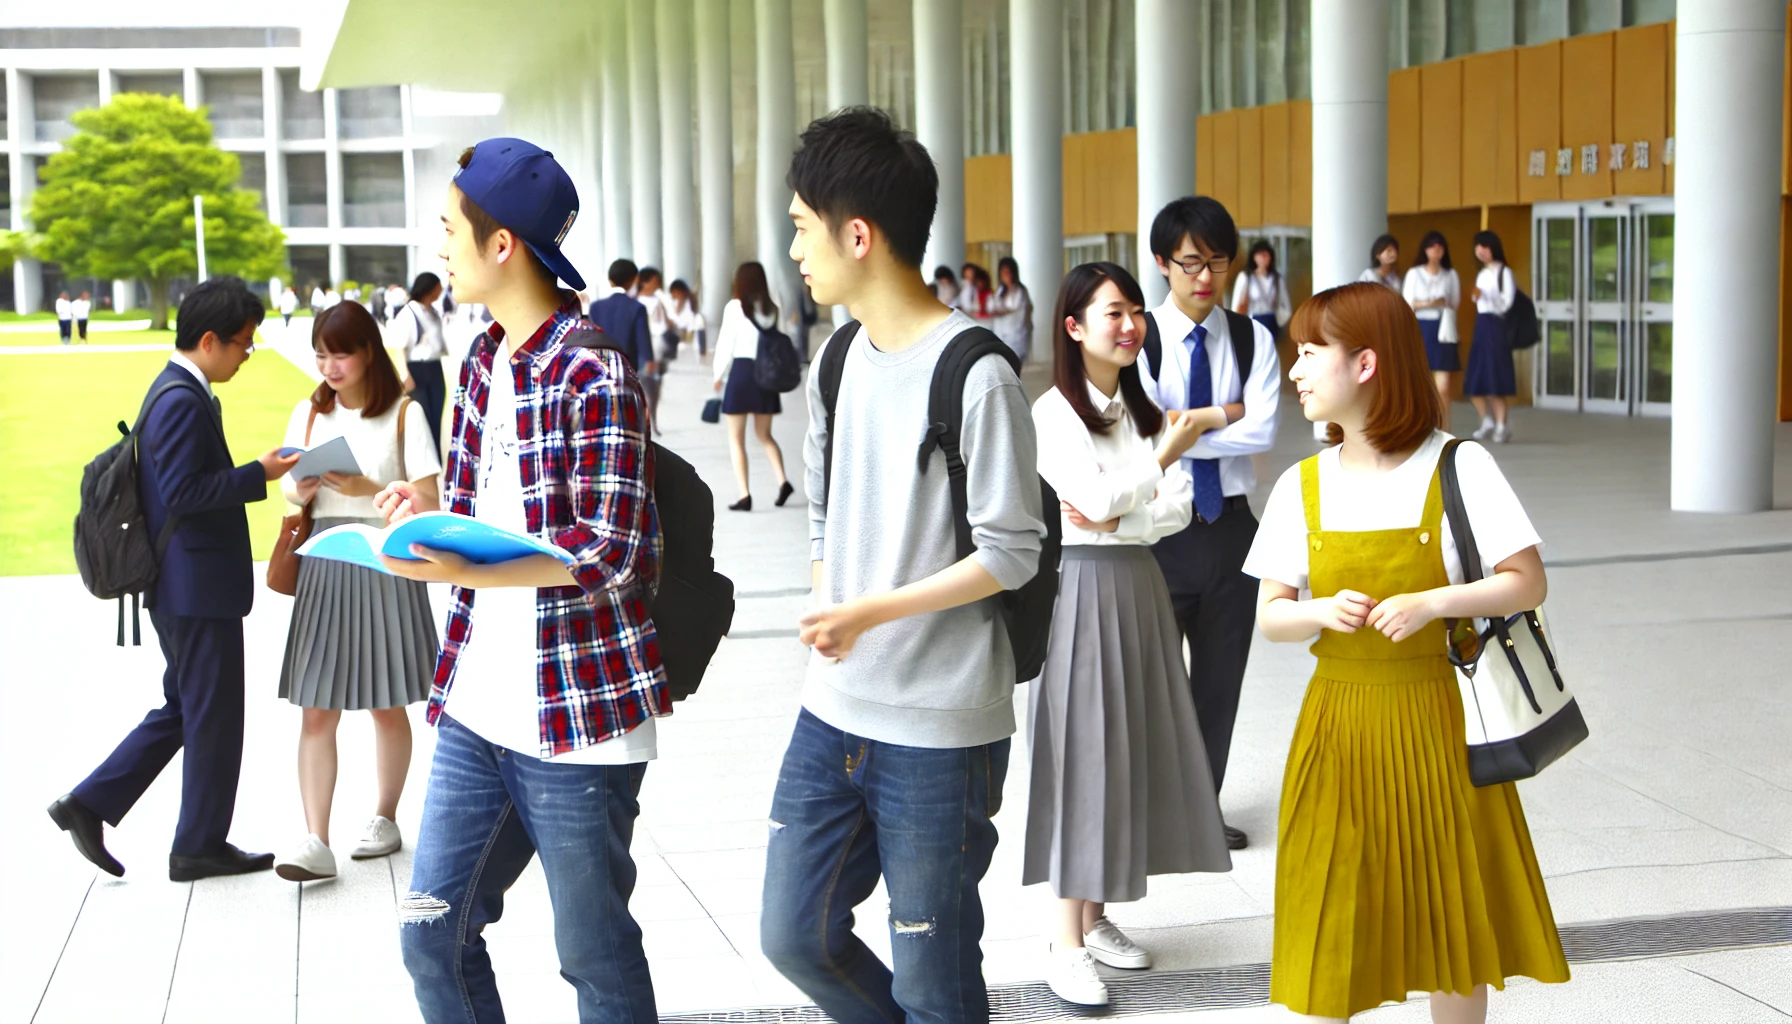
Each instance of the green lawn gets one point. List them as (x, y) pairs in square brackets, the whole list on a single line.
[(7, 316), (25, 339), (57, 412)]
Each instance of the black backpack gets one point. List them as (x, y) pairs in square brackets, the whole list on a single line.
[(776, 366), (1522, 328), (693, 608), (1026, 612), (113, 550), (1244, 343)]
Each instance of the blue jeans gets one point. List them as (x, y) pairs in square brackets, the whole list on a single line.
[(487, 813), (848, 809)]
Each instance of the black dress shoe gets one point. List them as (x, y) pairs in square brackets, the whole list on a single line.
[(227, 861), (88, 832), (743, 505), (1236, 839), (785, 490)]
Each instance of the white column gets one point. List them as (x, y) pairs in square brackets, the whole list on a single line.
[(333, 187), (715, 157), (1166, 33), (847, 53), (590, 225), (1727, 199), (1036, 63), (939, 120), (676, 206), (776, 73), (644, 127), (619, 232), (1350, 137)]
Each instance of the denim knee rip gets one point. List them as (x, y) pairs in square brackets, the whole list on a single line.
[(420, 908), (917, 929)]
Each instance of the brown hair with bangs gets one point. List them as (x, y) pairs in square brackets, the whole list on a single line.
[(1405, 408), (346, 329)]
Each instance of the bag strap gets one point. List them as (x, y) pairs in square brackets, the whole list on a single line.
[(166, 536), (945, 418), (1244, 347), (833, 367)]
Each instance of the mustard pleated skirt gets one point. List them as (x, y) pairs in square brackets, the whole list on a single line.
[(1394, 873)]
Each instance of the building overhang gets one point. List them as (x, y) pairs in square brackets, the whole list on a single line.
[(457, 45)]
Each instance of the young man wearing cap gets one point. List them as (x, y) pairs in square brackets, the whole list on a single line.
[(550, 677)]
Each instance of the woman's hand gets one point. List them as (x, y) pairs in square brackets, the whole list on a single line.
[(718, 386), (401, 499), (1343, 612), (351, 485), (1402, 615), (307, 488), (1082, 522), (1182, 428)]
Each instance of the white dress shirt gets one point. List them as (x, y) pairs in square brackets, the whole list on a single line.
[(1498, 289), (1268, 295), (1109, 476), (1391, 279), (179, 359), (80, 308), (1260, 391), (1423, 286), (65, 310), (738, 337)]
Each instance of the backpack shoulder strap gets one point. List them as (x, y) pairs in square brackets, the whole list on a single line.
[(1154, 344), (403, 405), (1244, 346), (591, 337), (833, 365), (945, 417)]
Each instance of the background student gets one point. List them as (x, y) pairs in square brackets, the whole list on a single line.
[(359, 640), (685, 319), (624, 319), (1434, 292), (1121, 786), (1261, 292), (419, 331), (737, 343), (289, 304), (65, 317), (1491, 378), (1012, 305), (653, 300), (80, 309), (945, 286), (1394, 872), (1384, 265)]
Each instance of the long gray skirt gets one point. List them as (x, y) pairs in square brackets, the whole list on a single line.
[(359, 640), (1121, 788)]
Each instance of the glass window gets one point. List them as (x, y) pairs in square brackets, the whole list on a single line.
[(307, 194), (255, 175), (301, 112), (1540, 21), (1647, 12), (1603, 361), (1585, 16), (1272, 78), (1240, 35), (372, 190), (1425, 32), (372, 113), (55, 98), (1658, 256), (233, 99), (1658, 362), (160, 83), (1300, 50), (1558, 281), (1558, 356), (1603, 284)]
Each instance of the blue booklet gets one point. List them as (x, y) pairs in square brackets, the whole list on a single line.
[(477, 542)]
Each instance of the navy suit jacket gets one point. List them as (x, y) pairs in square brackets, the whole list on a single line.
[(623, 318), (184, 469)]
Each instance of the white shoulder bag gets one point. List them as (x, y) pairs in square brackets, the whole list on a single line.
[(1520, 715)]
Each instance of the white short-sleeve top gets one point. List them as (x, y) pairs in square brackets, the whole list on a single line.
[(1422, 285), (375, 444), (1390, 501)]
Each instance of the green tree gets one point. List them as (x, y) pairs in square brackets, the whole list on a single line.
[(118, 200), (14, 246)]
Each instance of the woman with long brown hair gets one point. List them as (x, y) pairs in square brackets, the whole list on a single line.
[(1394, 872), (750, 311), (359, 640)]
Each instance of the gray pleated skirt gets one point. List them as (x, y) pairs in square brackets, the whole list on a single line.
[(359, 640), (1121, 787)]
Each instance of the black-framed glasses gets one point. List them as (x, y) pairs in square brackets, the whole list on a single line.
[(1194, 264)]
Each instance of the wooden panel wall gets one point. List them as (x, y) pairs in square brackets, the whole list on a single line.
[(1539, 120), (1440, 136), (1250, 167), (1403, 141), (1640, 106), (1300, 160), (1204, 147), (988, 199), (1225, 158), (1101, 182), (1276, 121), (1491, 159), (1587, 111)]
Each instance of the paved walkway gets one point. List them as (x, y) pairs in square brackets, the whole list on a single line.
[(1673, 628)]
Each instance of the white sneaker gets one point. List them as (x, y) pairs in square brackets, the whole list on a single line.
[(380, 839), (1502, 434), (1484, 431), (1109, 945), (1071, 974), (310, 862)]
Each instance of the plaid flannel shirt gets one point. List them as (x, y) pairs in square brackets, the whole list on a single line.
[(586, 463)]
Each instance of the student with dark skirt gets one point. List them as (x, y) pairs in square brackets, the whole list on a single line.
[(1491, 378), (1434, 291), (750, 311)]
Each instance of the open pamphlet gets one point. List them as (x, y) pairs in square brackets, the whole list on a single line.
[(333, 456), (477, 542)]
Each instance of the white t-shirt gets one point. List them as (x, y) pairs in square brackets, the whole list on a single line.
[(288, 302), (1373, 275), (1390, 501), (1499, 287), (375, 444), (1423, 286), (1268, 294), (64, 309), (81, 307), (497, 689)]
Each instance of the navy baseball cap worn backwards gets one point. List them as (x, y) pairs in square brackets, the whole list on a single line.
[(522, 187)]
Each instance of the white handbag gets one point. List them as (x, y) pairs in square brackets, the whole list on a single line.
[(1518, 713)]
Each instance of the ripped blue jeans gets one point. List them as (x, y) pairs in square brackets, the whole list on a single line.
[(848, 809), (488, 811)]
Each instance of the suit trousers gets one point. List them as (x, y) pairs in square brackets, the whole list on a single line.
[(1216, 612), (203, 713)]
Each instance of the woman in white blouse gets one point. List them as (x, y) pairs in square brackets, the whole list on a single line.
[(1434, 292), (1491, 379), (1012, 305), (1262, 293), (359, 640), (750, 311), (418, 330), (1121, 786), (1384, 264)]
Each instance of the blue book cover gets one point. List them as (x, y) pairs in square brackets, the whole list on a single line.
[(477, 542)]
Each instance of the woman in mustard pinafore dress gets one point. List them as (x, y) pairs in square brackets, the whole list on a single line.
[(1395, 874)]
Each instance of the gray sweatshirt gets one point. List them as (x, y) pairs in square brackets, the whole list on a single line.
[(944, 679)]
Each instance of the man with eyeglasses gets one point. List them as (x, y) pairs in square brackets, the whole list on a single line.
[(1206, 361)]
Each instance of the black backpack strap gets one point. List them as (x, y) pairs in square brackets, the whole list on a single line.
[(591, 337), (166, 536), (1244, 347), (945, 417), (1154, 346), (833, 366)]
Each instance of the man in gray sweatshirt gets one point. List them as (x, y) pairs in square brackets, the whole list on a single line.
[(897, 761)]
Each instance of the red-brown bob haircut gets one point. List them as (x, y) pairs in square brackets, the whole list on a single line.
[(1404, 409), (345, 329)]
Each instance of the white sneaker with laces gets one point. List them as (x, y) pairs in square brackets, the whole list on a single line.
[(1109, 945), (380, 839), (1502, 434), (1071, 974), (1484, 431), (310, 862)]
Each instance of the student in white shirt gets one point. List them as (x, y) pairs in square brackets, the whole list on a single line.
[(652, 298), (320, 299), (1491, 378), (945, 285), (418, 331), (1434, 292), (750, 311), (685, 320), (1262, 292), (1012, 305), (80, 308), (1384, 265), (1201, 347), (65, 317), (289, 303), (1121, 785)]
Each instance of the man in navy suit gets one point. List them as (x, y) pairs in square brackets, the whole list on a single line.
[(621, 316), (204, 590)]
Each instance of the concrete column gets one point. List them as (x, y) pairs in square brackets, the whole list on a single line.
[(1350, 137), (715, 157), (676, 206), (590, 225), (619, 231), (847, 53), (189, 87), (1036, 63), (939, 120), (1727, 199), (776, 73), (644, 131), (1166, 33), (271, 103)]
